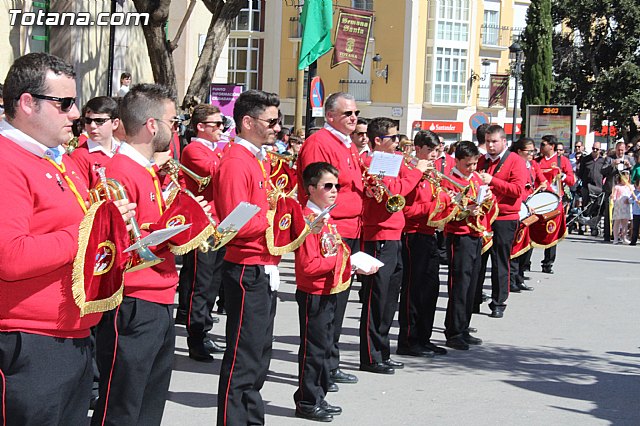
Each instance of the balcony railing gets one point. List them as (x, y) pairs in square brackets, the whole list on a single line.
[(295, 28), (499, 36), (360, 89)]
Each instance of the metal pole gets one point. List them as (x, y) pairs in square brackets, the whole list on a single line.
[(313, 71), (299, 99), (515, 98), (112, 43)]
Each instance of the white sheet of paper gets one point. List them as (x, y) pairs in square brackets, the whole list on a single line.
[(158, 237), (482, 193), (239, 217), (385, 164), (362, 260)]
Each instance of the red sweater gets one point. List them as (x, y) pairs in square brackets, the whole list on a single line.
[(461, 227), (240, 178), (419, 206), (314, 272), (550, 170), (89, 162), (204, 162), (38, 242), (158, 283), (379, 224), (324, 146), (535, 178), (507, 184)]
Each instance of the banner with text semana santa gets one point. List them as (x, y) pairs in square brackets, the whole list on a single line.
[(498, 90), (352, 38)]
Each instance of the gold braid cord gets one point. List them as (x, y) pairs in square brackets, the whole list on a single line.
[(442, 222), (551, 244), (342, 286), (273, 195), (77, 276), (195, 243)]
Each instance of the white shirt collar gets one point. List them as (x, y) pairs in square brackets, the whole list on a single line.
[(365, 148), (129, 151), (315, 209), (346, 140), (549, 158), (30, 144), (211, 145), (458, 173), (95, 146), (499, 156), (260, 153)]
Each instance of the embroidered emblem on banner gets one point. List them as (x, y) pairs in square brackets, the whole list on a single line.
[(104, 257), (285, 222), (551, 227), (520, 236), (176, 221)]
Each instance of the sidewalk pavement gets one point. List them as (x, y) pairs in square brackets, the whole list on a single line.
[(566, 353)]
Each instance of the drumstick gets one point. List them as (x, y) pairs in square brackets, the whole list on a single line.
[(544, 205)]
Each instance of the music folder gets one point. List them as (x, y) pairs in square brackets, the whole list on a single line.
[(238, 217), (385, 164), (157, 237)]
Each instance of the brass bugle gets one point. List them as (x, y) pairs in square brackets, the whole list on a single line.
[(111, 189), (394, 203), (284, 157), (172, 166)]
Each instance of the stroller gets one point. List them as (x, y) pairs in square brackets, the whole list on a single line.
[(590, 215)]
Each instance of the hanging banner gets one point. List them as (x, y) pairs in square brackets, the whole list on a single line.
[(498, 90), (224, 97), (352, 38)]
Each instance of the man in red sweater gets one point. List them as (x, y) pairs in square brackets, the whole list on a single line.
[(333, 144), (45, 352), (381, 232), (506, 174), (249, 272), (133, 391), (201, 273), (100, 118)]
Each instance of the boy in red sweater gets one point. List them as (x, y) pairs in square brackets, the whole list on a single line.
[(322, 271), (100, 119), (382, 231), (464, 241)]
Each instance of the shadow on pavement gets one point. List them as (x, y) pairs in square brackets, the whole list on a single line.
[(194, 399)]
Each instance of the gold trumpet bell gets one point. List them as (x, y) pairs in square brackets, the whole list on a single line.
[(395, 203), (222, 238), (141, 259)]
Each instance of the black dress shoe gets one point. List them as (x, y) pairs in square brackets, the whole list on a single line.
[(393, 364), (212, 347), (514, 289), (496, 313), (316, 413), (470, 340), (200, 354), (458, 343), (547, 270), (525, 287), (334, 410), (526, 278), (378, 368), (339, 376), (416, 351), (332, 387), (438, 350)]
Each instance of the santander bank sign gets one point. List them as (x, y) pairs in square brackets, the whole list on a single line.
[(439, 126)]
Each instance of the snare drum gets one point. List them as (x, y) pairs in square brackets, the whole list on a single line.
[(526, 217), (543, 202)]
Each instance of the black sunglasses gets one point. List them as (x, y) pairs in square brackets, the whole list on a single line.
[(350, 113), (393, 138), (65, 103), (215, 123), (98, 121), (329, 186), (271, 123), (175, 122)]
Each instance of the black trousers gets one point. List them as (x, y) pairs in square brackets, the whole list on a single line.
[(342, 299), (503, 234), (135, 345), (420, 289), (380, 303), (464, 265), (44, 380), (517, 268), (251, 308), (635, 229), (315, 313), (607, 217), (200, 279), (549, 257)]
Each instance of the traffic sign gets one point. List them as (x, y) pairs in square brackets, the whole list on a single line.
[(477, 119), (317, 93)]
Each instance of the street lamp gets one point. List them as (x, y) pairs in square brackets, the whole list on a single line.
[(515, 52)]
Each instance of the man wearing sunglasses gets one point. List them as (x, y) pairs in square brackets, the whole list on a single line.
[(249, 272), (332, 144), (360, 139), (141, 328), (45, 352), (100, 119), (200, 275)]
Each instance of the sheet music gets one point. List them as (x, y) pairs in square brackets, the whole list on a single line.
[(362, 260), (482, 193), (385, 164), (239, 217), (158, 237)]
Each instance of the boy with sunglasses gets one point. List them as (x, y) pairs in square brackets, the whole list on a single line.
[(382, 232), (200, 275), (100, 120)]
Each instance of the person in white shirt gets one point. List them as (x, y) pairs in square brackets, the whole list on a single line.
[(125, 82)]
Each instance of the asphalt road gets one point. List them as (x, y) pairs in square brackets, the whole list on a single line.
[(567, 353)]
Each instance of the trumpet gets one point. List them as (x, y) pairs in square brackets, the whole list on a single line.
[(173, 167), (111, 189), (276, 156), (376, 189)]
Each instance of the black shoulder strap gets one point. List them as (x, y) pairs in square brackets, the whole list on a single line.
[(502, 160)]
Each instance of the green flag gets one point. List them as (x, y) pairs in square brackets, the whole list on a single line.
[(316, 20)]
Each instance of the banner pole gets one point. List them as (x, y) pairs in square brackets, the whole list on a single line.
[(313, 71)]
